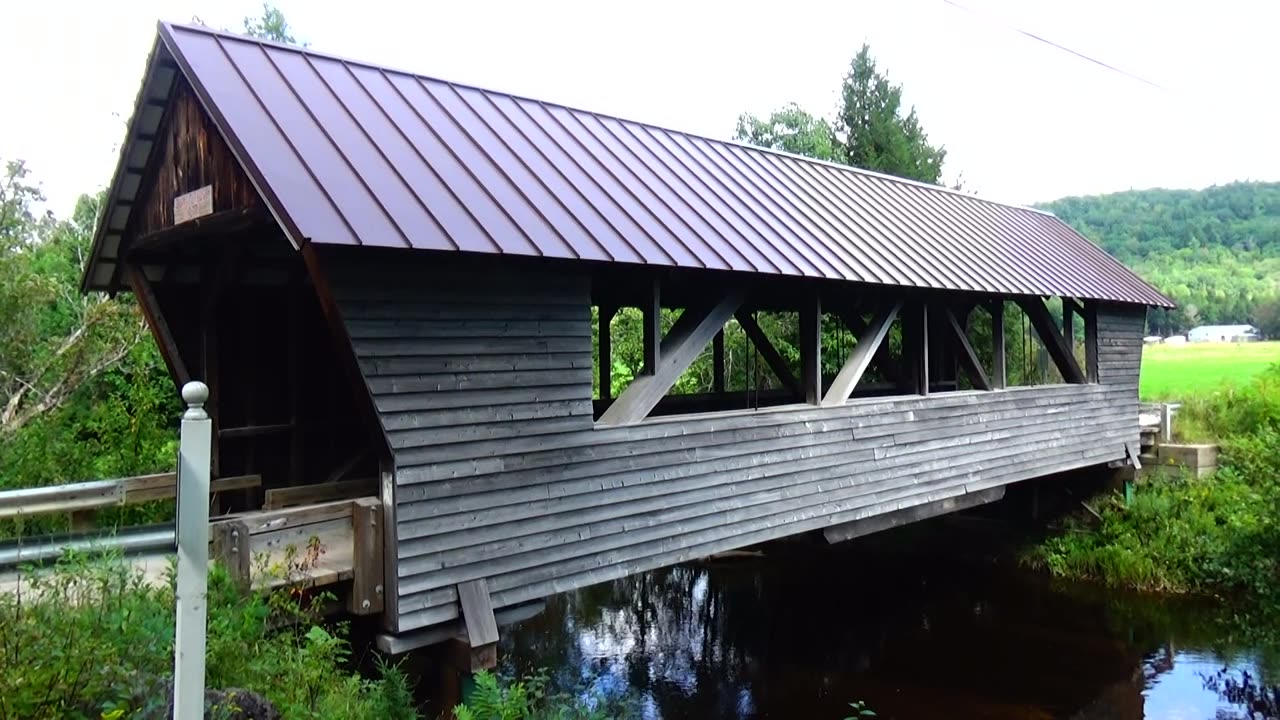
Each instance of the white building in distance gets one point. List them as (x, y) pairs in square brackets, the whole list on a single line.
[(1223, 333)]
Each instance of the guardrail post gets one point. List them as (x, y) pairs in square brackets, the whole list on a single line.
[(193, 554)]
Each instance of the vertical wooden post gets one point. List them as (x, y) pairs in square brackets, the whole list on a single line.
[(652, 311), (915, 330), (1091, 341), (1068, 324), (191, 594), (811, 349), (999, 373), (717, 362), (295, 380), (366, 559), (605, 336), (84, 520), (209, 356), (231, 548)]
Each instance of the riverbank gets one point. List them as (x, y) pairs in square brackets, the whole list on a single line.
[(1217, 537)]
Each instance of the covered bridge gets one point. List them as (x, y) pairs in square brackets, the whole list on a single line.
[(387, 276)]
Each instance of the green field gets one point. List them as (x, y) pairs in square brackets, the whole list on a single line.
[(1175, 371)]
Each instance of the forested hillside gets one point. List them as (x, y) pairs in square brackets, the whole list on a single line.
[(1215, 251)]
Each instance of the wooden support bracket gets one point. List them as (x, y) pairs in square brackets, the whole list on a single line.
[(482, 626), (692, 331), (859, 359), (231, 548), (1053, 341), (367, 592), (768, 352), (968, 358)]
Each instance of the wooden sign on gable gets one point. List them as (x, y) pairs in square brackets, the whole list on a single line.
[(192, 205)]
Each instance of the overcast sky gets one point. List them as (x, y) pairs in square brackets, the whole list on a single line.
[(1022, 121)]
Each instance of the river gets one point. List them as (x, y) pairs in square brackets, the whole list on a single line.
[(915, 625)]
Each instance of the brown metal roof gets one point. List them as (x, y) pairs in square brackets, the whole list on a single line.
[(349, 153)]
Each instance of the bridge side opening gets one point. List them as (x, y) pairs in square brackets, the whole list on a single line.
[(671, 344)]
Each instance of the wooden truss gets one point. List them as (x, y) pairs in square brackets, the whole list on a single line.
[(923, 321)]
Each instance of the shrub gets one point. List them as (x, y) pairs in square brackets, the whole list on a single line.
[(531, 698), (91, 638), (1216, 536)]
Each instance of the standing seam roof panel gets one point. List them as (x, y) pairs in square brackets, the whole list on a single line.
[(592, 222), (536, 193), (589, 187), (764, 240), (880, 270), (782, 224), (351, 153), (722, 243), (228, 90), (872, 236), (920, 245), (900, 199), (697, 242)]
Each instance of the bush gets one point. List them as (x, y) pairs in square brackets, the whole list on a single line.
[(92, 638), (1216, 536), (530, 698)]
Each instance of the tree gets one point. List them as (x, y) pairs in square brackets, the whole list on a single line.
[(1267, 318), (272, 25), (791, 129), (53, 340), (876, 133), (870, 132)]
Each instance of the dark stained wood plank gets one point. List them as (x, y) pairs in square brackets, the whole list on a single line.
[(652, 334), (717, 362), (605, 345), (811, 349), (1091, 343)]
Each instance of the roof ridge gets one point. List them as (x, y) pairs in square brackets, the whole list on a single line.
[(518, 96)]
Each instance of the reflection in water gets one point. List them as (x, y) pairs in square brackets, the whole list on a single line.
[(804, 631)]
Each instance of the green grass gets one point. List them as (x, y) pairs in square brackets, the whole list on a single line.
[(1177, 371)]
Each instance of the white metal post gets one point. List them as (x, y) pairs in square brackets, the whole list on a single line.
[(193, 554)]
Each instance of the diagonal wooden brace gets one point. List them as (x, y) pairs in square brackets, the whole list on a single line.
[(769, 353), (968, 358), (690, 334), (1053, 341), (860, 357)]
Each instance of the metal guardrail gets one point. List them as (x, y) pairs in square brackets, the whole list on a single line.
[(49, 548)]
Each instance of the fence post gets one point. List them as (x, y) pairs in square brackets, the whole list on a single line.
[(193, 554)]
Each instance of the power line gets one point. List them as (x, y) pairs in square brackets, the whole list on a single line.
[(1063, 48)]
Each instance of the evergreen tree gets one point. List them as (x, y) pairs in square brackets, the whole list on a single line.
[(876, 134)]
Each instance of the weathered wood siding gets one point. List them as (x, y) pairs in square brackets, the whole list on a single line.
[(192, 155), (1120, 331), (483, 384)]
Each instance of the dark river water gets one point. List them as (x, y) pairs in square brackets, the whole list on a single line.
[(920, 625)]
